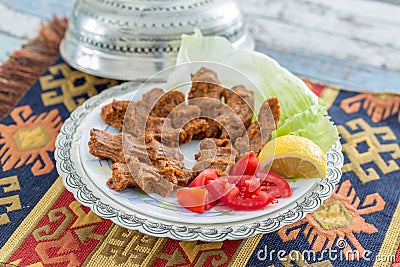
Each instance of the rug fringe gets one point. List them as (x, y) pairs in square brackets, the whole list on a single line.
[(24, 67)]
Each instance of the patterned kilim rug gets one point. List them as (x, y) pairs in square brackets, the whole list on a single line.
[(41, 224)]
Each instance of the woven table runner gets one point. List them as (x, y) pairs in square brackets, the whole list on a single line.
[(41, 224)]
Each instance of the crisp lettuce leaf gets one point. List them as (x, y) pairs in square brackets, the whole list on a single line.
[(302, 112), (314, 124), (292, 100)]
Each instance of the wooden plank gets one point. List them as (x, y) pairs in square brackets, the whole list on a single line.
[(8, 45), (18, 24), (43, 9), (364, 31), (345, 73), (394, 2)]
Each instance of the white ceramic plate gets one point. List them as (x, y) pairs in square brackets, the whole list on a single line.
[(85, 176)]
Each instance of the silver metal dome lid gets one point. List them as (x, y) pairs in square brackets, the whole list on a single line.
[(133, 39)]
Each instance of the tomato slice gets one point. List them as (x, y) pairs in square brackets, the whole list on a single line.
[(247, 165), (274, 184), (247, 201), (202, 180), (204, 177), (193, 199), (238, 196), (245, 183), (220, 187)]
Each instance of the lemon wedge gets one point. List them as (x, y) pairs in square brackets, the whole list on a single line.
[(293, 157)]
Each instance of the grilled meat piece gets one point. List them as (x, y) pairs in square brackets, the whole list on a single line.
[(226, 153), (251, 141), (238, 94), (205, 83), (114, 113), (259, 132), (152, 96), (183, 113), (237, 114), (206, 93), (166, 103), (217, 154), (112, 146), (268, 117), (155, 168), (158, 127), (106, 146), (216, 148), (230, 124), (210, 110), (135, 118), (148, 179), (211, 143), (174, 171), (214, 130), (222, 166), (194, 129), (121, 177), (228, 121), (168, 169), (267, 109), (210, 107), (167, 173), (158, 151), (187, 177), (161, 129), (155, 103), (241, 101), (188, 117)]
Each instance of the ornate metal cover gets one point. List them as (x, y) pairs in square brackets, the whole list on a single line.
[(133, 39)]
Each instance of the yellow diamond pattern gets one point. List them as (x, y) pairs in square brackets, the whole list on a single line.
[(365, 133)]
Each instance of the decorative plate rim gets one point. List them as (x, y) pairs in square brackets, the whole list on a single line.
[(69, 167)]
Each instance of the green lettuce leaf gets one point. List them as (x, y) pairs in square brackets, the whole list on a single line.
[(314, 124)]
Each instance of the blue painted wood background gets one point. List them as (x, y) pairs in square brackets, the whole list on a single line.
[(345, 73)]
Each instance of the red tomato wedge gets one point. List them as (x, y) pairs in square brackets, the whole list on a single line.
[(202, 180), (274, 184), (241, 201), (238, 196), (192, 198), (248, 183), (247, 165), (220, 187)]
